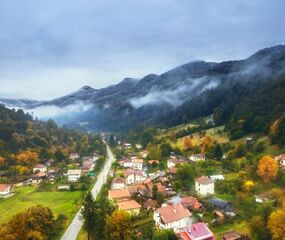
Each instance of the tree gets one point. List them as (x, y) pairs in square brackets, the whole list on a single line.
[(165, 149), (207, 142), (118, 226), (276, 224), (164, 235), (36, 223), (153, 151), (112, 141), (258, 228), (88, 214), (218, 152), (187, 143), (267, 169)]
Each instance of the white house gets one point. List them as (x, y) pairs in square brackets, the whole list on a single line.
[(74, 156), (204, 185), (138, 146), (217, 177), (73, 175), (137, 164), (118, 183), (134, 176), (5, 190), (127, 145), (280, 159), (40, 168), (198, 157), (172, 216), (172, 162)]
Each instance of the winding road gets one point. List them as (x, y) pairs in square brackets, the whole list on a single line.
[(73, 229)]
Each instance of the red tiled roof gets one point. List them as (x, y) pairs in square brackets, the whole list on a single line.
[(130, 171), (39, 165), (118, 180), (172, 213), (198, 231), (3, 187), (128, 205), (120, 193), (191, 202), (204, 180)]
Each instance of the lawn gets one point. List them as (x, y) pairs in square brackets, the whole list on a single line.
[(242, 226), (66, 203)]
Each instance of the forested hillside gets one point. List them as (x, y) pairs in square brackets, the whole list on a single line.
[(24, 142)]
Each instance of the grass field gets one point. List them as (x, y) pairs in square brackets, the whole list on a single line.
[(66, 203)]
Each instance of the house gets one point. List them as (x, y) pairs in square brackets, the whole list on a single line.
[(119, 195), (280, 159), (153, 162), (150, 204), (73, 156), (127, 145), (143, 154), (197, 231), (221, 205), (73, 175), (88, 165), (6, 190), (217, 177), (138, 146), (160, 188), (132, 207), (198, 157), (172, 216), (231, 235), (173, 162), (191, 203), (264, 198), (204, 185), (63, 188), (38, 178), (40, 168), (126, 162), (118, 183), (134, 176), (137, 164)]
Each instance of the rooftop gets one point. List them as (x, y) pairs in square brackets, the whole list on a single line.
[(128, 205), (204, 180), (231, 235), (120, 193), (198, 231), (4, 187), (172, 213), (73, 172)]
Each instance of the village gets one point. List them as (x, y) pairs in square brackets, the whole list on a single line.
[(139, 185)]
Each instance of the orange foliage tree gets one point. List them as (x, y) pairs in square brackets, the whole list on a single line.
[(187, 143), (118, 226), (207, 142), (28, 158), (267, 169)]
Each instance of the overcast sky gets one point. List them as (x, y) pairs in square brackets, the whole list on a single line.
[(49, 48)]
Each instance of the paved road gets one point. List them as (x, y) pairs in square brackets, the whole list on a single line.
[(75, 226)]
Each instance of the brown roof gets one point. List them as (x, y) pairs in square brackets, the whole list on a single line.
[(204, 180), (39, 165), (172, 170), (231, 235), (3, 187), (120, 193), (191, 202), (172, 213), (279, 157), (128, 205), (160, 187), (118, 180), (130, 171)]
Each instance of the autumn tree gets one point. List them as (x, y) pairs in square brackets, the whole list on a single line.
[(118, 226), (36, 223), (206, 144), (276, 224), (28, 158), (153, 151), (267, 169), (187, 143)]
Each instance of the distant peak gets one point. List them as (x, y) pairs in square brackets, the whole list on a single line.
[(87, 88)]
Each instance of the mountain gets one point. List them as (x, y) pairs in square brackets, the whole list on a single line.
[(186, 92)]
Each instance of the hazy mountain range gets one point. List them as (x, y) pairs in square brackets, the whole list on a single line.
[(189, 91)]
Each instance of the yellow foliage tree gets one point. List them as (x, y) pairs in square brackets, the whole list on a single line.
[(276, 224), (207, 142), (248, 186), (187, 143), (2, 161), (267, 169), (118, 226)]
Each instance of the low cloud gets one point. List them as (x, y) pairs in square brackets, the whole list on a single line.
[(52, 111), (176, 96)]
